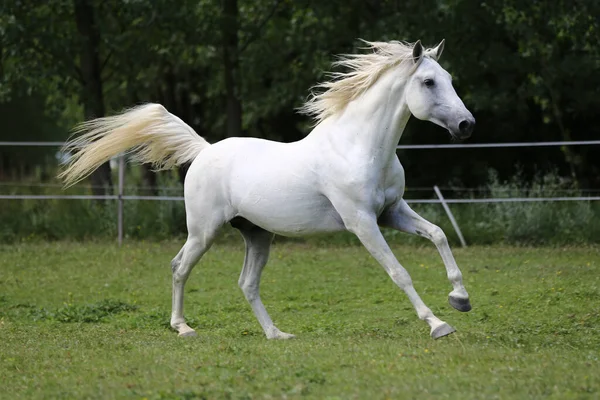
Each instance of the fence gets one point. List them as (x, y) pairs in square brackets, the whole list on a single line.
[(121, 197)]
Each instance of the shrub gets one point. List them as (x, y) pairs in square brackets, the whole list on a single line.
[(568, 222)]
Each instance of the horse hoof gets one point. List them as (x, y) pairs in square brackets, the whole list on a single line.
[(285, 336), (278, 335), (442, 330), (190, 333), (460, 304)]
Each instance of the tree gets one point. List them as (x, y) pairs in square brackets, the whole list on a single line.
[(229, 46), (528, 70), (58, 42), (91, 81)]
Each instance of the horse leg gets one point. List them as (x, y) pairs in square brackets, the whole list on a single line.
[(258, 245), (403, 218), (364, 225), (197, 244)]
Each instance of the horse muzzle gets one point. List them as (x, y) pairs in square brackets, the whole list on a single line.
[(464, 130)]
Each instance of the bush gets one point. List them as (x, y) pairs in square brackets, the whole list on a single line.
[(569, 222), (557, 222)]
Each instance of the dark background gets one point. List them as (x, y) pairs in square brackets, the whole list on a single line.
[(528, 70)]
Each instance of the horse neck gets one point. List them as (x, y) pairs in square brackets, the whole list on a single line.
[(371, 126)]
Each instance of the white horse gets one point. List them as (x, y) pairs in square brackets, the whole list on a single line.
[(343, 176)]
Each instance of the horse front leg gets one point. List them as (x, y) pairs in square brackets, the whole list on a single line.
[(401, 217), (364, 226)]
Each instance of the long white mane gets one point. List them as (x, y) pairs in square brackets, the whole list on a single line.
[(363, 70)]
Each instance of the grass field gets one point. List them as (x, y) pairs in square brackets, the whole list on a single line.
[(91, 321)]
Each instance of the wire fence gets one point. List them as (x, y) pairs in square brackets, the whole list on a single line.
[(499, 145), (120, 197), (410, 201), (162, 189), (399, 147)]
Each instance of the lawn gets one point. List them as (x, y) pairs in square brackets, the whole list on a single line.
[(91, 321)]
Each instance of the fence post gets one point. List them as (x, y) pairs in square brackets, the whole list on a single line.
[(452, 220), (120, 199)]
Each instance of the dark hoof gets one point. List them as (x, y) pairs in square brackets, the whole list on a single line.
[(442, 330), (463, 305)]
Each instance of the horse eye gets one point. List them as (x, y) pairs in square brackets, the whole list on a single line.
[(428, 82)]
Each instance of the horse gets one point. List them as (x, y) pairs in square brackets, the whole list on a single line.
[(344, 175)]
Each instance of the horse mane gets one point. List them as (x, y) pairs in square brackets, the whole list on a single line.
[(363, 70)]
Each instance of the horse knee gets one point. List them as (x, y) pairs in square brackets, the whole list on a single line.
[(437, 235), (180, 275)]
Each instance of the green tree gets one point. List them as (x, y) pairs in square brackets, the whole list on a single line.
[(57, 45), (528, 70)]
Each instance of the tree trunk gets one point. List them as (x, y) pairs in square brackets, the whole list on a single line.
[(184, 110), (92, 96), (171, 102), (229, 33), (575, 161)]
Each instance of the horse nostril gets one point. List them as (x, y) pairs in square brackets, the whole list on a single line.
[(466, 127)]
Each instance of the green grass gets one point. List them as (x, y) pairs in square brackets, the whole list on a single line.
[(91, 321)]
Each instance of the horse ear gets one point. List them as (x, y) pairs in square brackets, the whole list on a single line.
[(437, 52), (417, 52)]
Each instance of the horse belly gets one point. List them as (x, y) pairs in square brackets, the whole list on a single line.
[(275, 186), (290, 211)]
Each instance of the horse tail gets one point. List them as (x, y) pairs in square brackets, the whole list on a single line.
[(149, 132)]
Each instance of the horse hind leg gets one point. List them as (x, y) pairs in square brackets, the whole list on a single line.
[(258, 245), (198, 243)]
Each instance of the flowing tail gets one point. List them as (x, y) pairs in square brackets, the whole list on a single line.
[(149, 131)]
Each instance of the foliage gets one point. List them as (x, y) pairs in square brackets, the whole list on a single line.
[(533, 331), (528, 70), (19, 162), (572, 222)]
